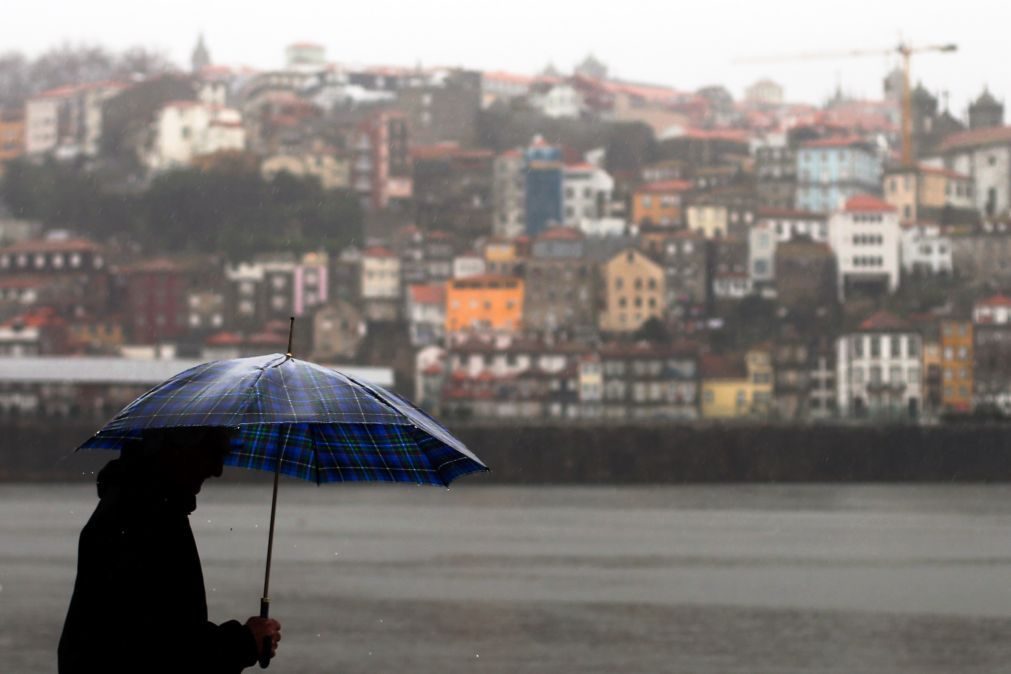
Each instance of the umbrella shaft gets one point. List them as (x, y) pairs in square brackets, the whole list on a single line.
[(270, 538)]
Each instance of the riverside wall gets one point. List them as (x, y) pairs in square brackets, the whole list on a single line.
[(41, 450)]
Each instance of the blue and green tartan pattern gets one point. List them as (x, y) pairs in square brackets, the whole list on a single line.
[(325, 426)]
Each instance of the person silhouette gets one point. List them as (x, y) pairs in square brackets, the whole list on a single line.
[(139, 603)]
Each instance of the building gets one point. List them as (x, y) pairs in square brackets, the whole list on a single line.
[(641, 381), (805, 274), (426, 314), (185, 130), (442, 106), (12, 134), (865, 239), (737, 387), (660, 203), (764, 92), (586, 193), (685, 258), (982, 255), (557, 100), (831, 170), (789, 224), (333, 172), (66, 122), (991, 332), (986, 112), (380, 283), (925, 251), (762, 255), (723, 212), (730, 276), (304, 55), (543, 180), (509, 194), (66, 272), (983, 154), (634, 290), (156, 300), (381, 161), (929, 194), (484, 304), (503, 257), (957, 358), (879, 370), (338, 329), (560, 289), (453, 189), (776, 175)]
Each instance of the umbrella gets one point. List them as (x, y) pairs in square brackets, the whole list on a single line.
[(301, 419)]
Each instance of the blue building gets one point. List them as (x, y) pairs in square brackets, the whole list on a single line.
[(544, 172), (831, 170)]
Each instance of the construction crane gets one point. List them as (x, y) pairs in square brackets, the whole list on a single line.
[(904, 50)]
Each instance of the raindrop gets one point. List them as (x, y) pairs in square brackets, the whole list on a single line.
[(477, 655), (317, 635), (370, 652), (1, 588), (208, 521), (380, 620), (336, 554)]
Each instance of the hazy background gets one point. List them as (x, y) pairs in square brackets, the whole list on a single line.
[(682, 44)]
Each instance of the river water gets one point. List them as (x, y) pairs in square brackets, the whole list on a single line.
[(564, 579)]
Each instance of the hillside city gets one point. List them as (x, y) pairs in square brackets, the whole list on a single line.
[(559, 246)]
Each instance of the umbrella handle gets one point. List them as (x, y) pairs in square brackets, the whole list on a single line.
[(266, 645)]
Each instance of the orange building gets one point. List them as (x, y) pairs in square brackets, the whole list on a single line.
[(484, 303), (956, 366), (660, 203), (12, 134)]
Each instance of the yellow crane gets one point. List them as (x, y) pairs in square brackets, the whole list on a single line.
[(904, 50)]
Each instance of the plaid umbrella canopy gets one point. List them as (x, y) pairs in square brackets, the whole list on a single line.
[(301, 419), (323, 425)]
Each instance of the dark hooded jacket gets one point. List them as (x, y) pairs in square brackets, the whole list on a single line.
[(139, 603)]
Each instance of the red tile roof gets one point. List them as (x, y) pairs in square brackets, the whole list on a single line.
[(379, 251), (966, 140), (430, 293), (224, 338), (561, 234), (999, 300), (867, 203), (666, 186), (713, 366), (883, 320)]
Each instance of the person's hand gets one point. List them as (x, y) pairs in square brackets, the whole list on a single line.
[(264, 627)]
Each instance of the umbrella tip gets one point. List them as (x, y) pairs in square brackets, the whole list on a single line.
[(291, 331)]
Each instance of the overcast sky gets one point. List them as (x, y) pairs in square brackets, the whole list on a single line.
[(673, 42)]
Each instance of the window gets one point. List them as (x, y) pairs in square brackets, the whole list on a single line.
[(875, 347)]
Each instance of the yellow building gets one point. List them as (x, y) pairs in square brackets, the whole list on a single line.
[(634, 291), (659, 203), (712, 220), (920, 193), (501, 257), (484, 303), (956, 366), (735, 388), (12, 134)]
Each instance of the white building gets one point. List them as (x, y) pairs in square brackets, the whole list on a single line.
[(426, 314), (469, 264), (864, 236), (67, 121), (926, 251), (559, 101), (985, 156), (380, 274), (586, 192), (184, 130), (789, 224), (761, 254), (879, 371)]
